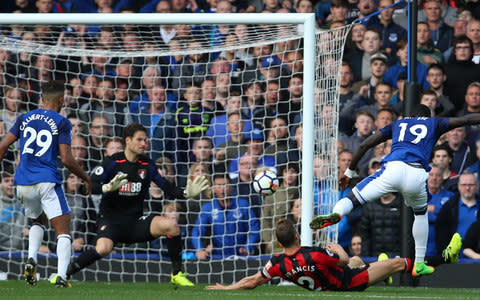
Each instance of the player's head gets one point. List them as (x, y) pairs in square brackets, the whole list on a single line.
[(421, 111), (135, 138), (130, 130), (53, 93), (286, 233)]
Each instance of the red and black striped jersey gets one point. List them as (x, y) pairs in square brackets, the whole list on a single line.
[(127, 201), (311, 268)]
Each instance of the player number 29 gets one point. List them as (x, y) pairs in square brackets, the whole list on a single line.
[(43, 139), (419, 131)]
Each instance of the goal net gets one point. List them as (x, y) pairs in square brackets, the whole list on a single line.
[(223, 98)]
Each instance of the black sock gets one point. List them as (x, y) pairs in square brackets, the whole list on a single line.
[(174, 245), (86, 258)]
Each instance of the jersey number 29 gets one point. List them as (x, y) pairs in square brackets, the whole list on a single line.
[(419, 131), (43, 139)]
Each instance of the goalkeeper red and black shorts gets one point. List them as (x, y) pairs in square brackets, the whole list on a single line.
[(125, 230)]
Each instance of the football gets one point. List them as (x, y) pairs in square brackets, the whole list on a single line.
[(265, 182)]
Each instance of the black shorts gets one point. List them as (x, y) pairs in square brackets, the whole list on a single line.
[(355, 279), (124, 230)]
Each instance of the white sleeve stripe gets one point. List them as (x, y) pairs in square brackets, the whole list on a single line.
[(265, 274)]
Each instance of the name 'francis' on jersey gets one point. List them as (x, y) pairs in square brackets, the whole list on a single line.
[(40, 132), (311, 268), (413, 139)]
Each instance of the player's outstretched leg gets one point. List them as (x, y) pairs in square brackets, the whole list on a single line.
[(382, 257), (174, 244), (450, 254), (420, 235), (88, 257), (381, 270), (167, 225), (323, 221)]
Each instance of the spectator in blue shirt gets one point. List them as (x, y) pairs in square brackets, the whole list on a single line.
[(234, 228), (442, 34), (160, 123), (458, 213), (218, 125), (394, 71), (390, 31)]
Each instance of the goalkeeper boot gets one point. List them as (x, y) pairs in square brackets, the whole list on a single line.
[(180, 279), (382, 257), (60, 282), (421, 268), (30, 271), (450, 254), (323, 221)]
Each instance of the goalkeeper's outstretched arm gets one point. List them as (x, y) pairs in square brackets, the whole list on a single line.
[(246, 283)]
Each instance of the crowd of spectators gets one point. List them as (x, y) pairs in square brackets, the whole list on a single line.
[(229, 113)]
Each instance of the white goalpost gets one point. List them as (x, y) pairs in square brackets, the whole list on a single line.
[(286, 45)]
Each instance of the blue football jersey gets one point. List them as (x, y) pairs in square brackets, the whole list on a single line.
[(413, 139), (40, 133)]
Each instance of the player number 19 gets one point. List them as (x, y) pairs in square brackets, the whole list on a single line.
[(43, 139), (418, 130)]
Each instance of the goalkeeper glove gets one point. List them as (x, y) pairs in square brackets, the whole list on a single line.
[(195, 187), (115, 183)]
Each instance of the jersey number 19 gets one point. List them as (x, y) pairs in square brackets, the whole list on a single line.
[(418, 130)]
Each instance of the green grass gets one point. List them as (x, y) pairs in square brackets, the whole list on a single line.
[(17, 289)]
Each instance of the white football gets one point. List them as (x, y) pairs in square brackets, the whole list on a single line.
[(265, 182)]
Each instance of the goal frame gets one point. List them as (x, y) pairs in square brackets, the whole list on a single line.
[(308, 21)]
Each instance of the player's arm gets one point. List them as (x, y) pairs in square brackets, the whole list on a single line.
[(471, 119), (344, 259), (9, 139), (192, 189), (71, 164), (101, 174), (368, 143), (246, 283)]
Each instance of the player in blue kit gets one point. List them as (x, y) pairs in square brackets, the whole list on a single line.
[(404, 170), (44, 134)]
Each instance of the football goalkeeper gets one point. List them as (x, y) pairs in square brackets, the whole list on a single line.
[(124, 179)]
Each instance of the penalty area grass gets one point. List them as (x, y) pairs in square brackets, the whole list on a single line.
[(18, 289)]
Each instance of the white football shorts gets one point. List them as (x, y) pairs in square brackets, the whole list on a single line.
[(44, 196), (392, 177)]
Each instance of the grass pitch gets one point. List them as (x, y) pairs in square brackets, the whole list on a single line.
[(18, 289)]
